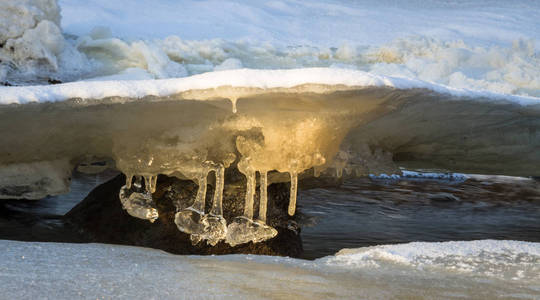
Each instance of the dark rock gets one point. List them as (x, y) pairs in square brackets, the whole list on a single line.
[(53, 81), (101, 218)]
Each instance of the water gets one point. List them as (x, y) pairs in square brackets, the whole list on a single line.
[(361, 212), (365, 212)]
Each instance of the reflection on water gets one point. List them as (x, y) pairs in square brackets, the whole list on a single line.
[(366, 212), (361, 212)]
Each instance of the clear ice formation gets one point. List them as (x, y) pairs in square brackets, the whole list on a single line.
[(193, 220), (136, 200), (280, 134), (244, 229)]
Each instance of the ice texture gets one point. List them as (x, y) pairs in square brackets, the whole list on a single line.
[(35, 180), (193, 220), (453, 270), (136, 200), (451, 96), (293, 130)]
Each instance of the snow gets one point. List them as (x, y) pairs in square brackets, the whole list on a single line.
[(321, 23), (263, 79), (67, 271), (482, 45)]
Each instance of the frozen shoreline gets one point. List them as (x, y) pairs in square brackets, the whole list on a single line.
[(484, 269)]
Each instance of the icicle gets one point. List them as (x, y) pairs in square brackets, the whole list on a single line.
[(317, 171), (339, 172), (138, 182), (243, 229), (192, 220), (129, 178), (233, 101), (198, 204), (294, 188), (148, 183), (263, 195), (217, 208), (136, 201), (250, 192), (153, 182)]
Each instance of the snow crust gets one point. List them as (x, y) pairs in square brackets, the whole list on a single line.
[(476, 269), (264, 79)]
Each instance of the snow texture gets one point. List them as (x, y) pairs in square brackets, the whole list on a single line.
[(263, 79), (476, 269)]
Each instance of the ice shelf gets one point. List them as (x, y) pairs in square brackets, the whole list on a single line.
[(305, 130)]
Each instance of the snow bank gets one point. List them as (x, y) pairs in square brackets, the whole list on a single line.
[(460, 44), (29, 33)]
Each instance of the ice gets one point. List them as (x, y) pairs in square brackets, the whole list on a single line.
[(282, 128), (35, 180), (293, 192), (193, 220), (263, 192), (244, 228), (446, 86), (136, 200), (455, 270), (461, 45)]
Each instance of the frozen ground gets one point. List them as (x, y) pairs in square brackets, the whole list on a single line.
[(479, 269)]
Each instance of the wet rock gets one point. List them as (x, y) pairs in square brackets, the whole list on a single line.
[(100, 218)]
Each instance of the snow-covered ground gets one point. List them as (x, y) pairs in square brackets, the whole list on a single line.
[(477, 45), (478, 269)]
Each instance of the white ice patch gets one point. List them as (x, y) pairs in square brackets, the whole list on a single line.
[(29, 34), (502, 259), (68, 271)]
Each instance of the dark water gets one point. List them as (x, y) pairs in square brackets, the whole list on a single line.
[(364, 212), (361, 212), (42, 220)]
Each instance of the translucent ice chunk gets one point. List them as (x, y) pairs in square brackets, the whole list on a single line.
[(191, 220), (211, 227), (215, 230), (138, 203), (243, 230)]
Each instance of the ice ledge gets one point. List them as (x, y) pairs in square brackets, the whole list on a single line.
[(249, 78)]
